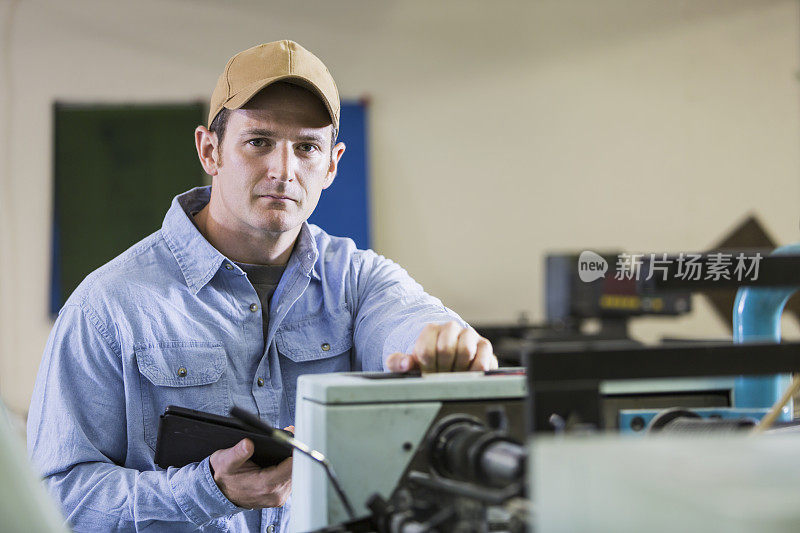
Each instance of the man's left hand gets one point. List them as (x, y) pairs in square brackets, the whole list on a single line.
[(446, 348)]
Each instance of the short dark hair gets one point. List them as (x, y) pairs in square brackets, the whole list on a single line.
[(221, 121)]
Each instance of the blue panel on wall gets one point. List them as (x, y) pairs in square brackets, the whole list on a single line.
[(343, 209)]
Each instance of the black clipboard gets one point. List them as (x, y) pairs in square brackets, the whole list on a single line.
[(187, 436)]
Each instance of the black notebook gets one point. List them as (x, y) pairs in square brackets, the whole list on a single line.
[(187, 436)]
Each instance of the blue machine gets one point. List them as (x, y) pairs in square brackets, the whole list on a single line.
[(629, 419), (756, 318)]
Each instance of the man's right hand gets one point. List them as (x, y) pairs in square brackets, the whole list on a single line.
[(245, 483)]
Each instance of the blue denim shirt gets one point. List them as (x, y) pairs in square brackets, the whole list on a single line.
[(170, 302)]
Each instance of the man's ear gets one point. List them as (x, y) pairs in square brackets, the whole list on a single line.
[(207, 150), (336, 155)]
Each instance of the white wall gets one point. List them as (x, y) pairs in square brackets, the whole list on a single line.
[(499, 130)]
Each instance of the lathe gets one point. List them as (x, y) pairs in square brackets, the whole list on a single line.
[(456, 432), (545, 448)]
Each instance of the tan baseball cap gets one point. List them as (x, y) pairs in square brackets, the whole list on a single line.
[(253, 69)]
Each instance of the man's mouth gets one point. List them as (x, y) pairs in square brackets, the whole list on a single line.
[(276, 197)]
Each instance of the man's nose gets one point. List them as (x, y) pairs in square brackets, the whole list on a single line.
[(281, 163)]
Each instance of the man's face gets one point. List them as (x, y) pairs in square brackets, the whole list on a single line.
[(275, 160)]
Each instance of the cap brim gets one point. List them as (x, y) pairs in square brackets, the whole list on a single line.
[(242, 97)]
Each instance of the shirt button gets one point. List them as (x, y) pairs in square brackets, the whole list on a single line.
[(254, 307), (310, 255), (229, 266), (181, 372), (326, 347), (271, 529), (260, 382)]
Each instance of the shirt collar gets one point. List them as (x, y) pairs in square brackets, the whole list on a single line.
[(305, 252), (198, 259)]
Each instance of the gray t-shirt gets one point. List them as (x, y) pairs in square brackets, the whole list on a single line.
[(264, 279)]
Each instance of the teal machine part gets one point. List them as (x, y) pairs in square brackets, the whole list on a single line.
[(757, 318)]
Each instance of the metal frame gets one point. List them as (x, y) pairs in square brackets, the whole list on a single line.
[(567, 382)]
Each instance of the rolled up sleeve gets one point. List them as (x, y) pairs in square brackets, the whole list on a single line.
[(392, 309)]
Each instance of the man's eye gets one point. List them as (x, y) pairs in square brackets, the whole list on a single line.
[(306, 147), (258, 143)]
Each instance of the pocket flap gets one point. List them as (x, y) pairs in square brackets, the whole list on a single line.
[(319, 338), (181, 363)]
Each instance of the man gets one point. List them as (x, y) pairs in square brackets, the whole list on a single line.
[(227, 304)]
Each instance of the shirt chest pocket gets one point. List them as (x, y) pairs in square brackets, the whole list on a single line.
[(183, 373), (314, 346)]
